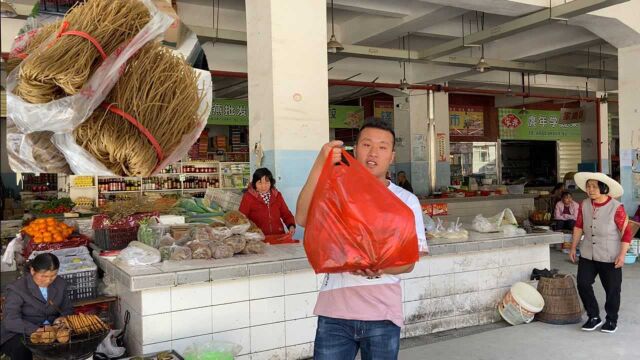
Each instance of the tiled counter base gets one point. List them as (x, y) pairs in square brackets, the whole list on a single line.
[(265, 303)]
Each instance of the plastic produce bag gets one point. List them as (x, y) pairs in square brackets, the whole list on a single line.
[(237, 242), (166, 240), (356, 223), (220, 250), (179, 253), (108, 346), (220, 233), (214, 350), (512, 230), (199, 249), (237, 222), (254, 233), (494, 223), (254, 247), (137, 254)]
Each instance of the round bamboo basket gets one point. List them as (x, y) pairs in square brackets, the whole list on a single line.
[(561, 301)]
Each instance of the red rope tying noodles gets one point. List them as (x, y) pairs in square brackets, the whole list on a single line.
[(156, 146), (63, 31)]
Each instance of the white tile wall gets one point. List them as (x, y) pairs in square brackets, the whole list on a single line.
[(441, 265), (417, 289), (442, 285), (300, 331), (300, 281), (510, 256), (466, 282), (265, 286), (155, 328), (302, 351), (229, 291), (191, 322), (417, 311), (230, 316), (158, 347), (267, 311), (488, 279), (156, 301), (442, 307), (299, 306), (420, 269), (276, 354), (243, 357), (267, 337), (190, 296), (183, 344), (241, 337)]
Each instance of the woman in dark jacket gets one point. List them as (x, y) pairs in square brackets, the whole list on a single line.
[(33, 301), (265, 206)]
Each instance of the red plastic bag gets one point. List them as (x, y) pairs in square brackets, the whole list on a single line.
[(356, 223), (280, 239)]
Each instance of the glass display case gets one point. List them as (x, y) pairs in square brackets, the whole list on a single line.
[(474, 159)]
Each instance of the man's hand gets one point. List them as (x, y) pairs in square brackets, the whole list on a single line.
[(333, 149), (368, 273), (572, 255), (619, 263)]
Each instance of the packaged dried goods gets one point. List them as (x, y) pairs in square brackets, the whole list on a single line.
[(166, 240), (221, 251), (220, 233), (237, 222), (179, 253), (200, 249), (254, 247), (237, 242)]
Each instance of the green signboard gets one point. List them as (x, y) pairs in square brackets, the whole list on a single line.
[(536, 125), (236, 112)]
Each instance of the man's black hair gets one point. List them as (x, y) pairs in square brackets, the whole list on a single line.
[(378, 124), (259, 174), (565, 193)]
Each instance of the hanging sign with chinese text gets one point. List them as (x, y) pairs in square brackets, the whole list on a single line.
[(536, 125), (466, 121), (571, 115), (236, 112)]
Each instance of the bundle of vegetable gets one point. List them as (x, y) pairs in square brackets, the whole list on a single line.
[(195, 211), (57, 206)]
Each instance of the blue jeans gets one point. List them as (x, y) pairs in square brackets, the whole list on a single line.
[(340, 339)]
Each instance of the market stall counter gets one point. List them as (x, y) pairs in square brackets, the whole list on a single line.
[(265, 302), (466, 208)]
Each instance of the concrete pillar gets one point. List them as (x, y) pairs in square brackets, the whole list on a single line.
[(443, 165), (410, 125), (628, 85), (288, 93), (605, 159)]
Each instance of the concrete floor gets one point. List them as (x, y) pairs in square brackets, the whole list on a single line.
[(544, 341)]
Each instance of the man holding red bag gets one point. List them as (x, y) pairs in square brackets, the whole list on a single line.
[(361, 310)]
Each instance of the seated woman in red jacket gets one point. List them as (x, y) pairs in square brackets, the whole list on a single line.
[(265, 206)]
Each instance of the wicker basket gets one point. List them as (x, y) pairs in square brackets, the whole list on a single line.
[(561, 302)]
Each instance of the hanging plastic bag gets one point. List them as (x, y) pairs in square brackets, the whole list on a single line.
[(213, 350), (108, 346), (356, 223)]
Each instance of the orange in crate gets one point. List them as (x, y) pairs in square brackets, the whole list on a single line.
[(48, 230)]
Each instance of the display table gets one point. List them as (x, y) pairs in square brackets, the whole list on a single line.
[(265, 302), (466, 208)]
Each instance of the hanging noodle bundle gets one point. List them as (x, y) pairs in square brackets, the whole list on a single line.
[(43, 34), (159, 90), (63, 68)]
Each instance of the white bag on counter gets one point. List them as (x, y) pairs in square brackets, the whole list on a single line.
[(494, 223), (137, 254), (453, 231)]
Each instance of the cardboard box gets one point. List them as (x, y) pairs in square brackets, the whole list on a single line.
[(174, 34)]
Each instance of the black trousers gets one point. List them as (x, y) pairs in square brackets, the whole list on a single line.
[(564, 224), (611, 279), (15, 349)]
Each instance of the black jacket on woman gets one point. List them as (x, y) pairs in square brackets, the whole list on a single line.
[(25, 309)]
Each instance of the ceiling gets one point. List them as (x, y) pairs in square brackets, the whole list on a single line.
[(566, 53)]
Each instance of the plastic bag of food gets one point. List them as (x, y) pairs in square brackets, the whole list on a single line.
[(237, 222), (213, 350), (217, 223), (237, 242), (165, 252), (429, 224), (494, 223), (254, 247), (220, 250), (166, 240), (137, 254), (349, 229), (512, 230), (220, 233), (202, 234), (200, 249), (179, 253), (254, 232)]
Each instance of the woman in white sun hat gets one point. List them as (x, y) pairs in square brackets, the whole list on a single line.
[(607, 238)]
